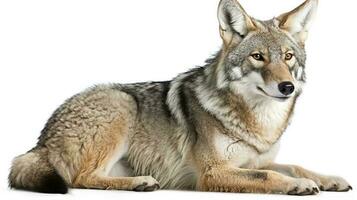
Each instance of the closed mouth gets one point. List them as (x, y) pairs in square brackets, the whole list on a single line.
[(265, 93)]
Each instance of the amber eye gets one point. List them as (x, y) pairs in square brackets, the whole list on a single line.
[(258, 56), (289, 56)]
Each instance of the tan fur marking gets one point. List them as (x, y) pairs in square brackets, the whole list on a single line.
[(278, 73), (99, 152), (227, 179), (244, 113)]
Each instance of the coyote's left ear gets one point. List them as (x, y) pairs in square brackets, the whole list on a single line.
[(297, 22)]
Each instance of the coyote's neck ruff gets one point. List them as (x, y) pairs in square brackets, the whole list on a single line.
[(214, 128), (249, 118)]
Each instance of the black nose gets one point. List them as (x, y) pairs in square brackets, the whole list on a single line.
[(286, 87)]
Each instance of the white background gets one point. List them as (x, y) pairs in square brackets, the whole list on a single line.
[(50, 50)]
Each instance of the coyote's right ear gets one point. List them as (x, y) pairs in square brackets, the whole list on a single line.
[(233, 21)]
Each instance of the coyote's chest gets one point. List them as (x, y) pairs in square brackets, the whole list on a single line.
[(261, 127), (241, 154), (252, 145), (272, 118)]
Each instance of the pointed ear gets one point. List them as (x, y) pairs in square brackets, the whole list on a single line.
[(233, 21), (297, 22)]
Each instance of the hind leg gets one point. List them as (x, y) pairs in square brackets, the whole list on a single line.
[(138, 183), (102, 155), (110, 173), (91, 133), (105, 154)]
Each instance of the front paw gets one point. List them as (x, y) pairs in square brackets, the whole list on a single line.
[(302, 186), (334, 183)]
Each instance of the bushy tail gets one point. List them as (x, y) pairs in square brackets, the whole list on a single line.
[(32, 171)]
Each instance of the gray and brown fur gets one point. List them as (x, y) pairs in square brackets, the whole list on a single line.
[(213, 128)]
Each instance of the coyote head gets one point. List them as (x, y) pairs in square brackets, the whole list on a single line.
[(263, 59)]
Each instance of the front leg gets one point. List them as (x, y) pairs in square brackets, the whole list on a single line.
[(224, 178), (325, 183)]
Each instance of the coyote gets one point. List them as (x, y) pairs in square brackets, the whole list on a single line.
[(213, 128)]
